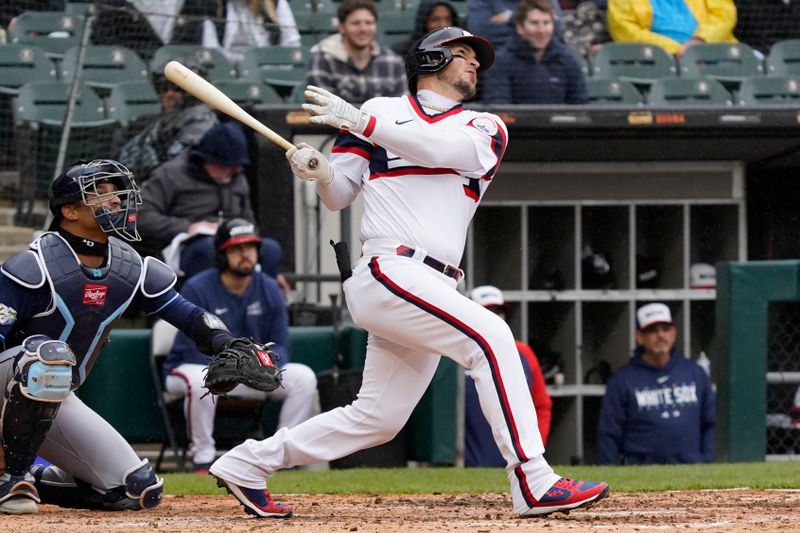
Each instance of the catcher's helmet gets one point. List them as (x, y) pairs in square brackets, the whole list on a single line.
[(430, 53), (78, 183), (233, 232)]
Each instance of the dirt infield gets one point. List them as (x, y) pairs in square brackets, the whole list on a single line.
[(729, 510)]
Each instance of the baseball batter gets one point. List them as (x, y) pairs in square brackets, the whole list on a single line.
[(423, 163), (58, 300)]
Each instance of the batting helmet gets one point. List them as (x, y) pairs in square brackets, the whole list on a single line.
[(233, 232), (78, 183), (430, 53)]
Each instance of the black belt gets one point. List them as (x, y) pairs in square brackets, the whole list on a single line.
[(445, 268)]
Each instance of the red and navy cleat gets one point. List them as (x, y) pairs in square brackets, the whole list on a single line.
[(256, 502), (568, 494)]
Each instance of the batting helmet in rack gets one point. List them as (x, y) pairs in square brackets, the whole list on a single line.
[(233, 232), (431, 53)]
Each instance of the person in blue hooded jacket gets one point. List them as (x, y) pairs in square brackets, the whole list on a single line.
[(534, 67), (660, 407)]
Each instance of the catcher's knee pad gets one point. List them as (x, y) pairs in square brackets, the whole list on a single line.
[(140, 489), (42, 380)]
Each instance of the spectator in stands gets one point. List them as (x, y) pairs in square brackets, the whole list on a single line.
[(659, 408), (246, 24), (761, 24), (479, 445), (674, 26), (494, 19), (9, 9), (183, 122), (187, 197), (431, 14), (351, 63), (251, 304), (585, 27), (533, 67)]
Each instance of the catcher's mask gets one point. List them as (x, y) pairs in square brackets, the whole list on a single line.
[(230, 233), (431, 53), (79, 182)]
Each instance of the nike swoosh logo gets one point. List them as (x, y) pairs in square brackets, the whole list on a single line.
[(403, 122), (662, 379), (220, 311)]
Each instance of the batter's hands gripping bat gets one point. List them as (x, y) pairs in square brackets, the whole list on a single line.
[(204, 91)]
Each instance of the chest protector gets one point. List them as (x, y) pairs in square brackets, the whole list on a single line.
[(85, 307)]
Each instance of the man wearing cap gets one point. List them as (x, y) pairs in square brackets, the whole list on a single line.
[(480, 448), (659, 408), (189, 195)]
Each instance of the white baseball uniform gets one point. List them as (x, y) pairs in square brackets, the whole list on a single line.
[(422, 174)]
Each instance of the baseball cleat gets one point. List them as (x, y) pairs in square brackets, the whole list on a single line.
[(18, 494), (567, 494), (257, 502)]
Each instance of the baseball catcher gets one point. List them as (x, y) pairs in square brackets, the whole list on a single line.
[(244, 361)]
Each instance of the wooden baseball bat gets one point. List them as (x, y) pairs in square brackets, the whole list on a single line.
[(204, 91)]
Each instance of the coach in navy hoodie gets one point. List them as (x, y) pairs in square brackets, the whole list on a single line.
[(533, 67), (659, 408)]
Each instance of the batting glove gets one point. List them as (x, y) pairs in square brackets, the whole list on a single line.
[(333, 111), (299, 158)]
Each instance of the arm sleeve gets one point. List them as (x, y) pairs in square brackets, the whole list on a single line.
[(319, 72), (290, 36), (610, 426), (625, 27), (350, 158), (719, 22), (541, 399), (277, 329), (708, 421), (473, 149)]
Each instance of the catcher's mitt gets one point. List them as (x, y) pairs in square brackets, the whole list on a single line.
[(245, 361)]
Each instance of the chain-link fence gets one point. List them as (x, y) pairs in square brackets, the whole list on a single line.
[(783, 378)]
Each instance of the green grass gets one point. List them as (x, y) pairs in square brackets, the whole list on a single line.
[(476, 480)]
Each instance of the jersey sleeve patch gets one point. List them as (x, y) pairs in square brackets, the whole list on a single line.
[(485, 125)]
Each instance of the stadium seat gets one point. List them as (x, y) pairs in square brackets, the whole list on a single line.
[(637, 63), (281, 67), (729, 63), (688, 92), (52, 31), (249, 93), (770, 90), (19, 64), (612, 92), (298, 94), (104, 66), (784, 58), (39, 112), (315, 25), (395, 26), (213, 60), (130, 100)]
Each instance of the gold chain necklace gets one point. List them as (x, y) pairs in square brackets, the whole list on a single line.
[(439, 108)]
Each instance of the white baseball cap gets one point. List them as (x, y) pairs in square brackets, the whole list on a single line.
[(656, 313), (702, 276), (487, 296)]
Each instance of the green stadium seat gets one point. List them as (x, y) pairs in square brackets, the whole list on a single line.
[(19, 64), (395, 26), (315, 25), (52, 31), (770, 90), (612, 92), (130, 100), (637, 63), (249, 93), (729, 63), (281, 67), (688, 92), (298, 94), (784, 58), (104, 66), (39, 111), (212, 59)]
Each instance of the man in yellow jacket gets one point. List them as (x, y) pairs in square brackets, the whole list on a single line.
[(674, 25)]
